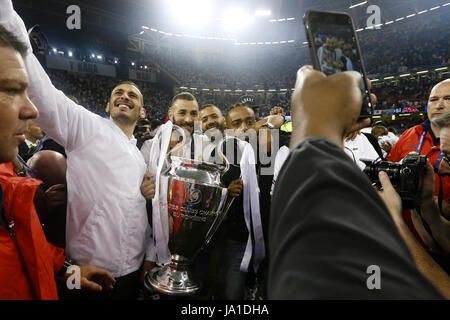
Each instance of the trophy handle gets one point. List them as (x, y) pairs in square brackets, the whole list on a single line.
[(180, 144), (217, 222), (222, 156)]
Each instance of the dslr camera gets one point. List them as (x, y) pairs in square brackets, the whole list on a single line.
[(406, 177)]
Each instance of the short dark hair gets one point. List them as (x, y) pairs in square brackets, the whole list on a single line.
[(155, 123), (208, 105), (9, 40), (183, 96), (128, 82), (143, 122)]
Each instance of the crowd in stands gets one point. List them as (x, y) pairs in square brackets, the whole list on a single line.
[(385, 51), (92, 92)]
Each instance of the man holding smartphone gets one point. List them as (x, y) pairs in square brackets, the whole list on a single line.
[(334, 227)]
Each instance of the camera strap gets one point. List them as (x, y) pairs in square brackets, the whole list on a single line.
[(419, 148)]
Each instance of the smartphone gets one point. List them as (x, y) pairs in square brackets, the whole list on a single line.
[(334, 48)]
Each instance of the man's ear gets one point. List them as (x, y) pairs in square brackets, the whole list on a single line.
[(170, 112), (142, 113), (107, 107)]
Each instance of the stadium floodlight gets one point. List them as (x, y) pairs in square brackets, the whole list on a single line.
[(99, 57), (424, 11), (422, 72), (434, 8), (389, 22), (54, 50), (145, 27), (405, 75), (191, 13), (132, 63), (357, 5), (388, 78), (440, 69), (142, 32), (70, 53), (92, 55), (235, 19), (263, 13)]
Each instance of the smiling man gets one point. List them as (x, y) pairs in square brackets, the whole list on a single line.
[(107, 224)]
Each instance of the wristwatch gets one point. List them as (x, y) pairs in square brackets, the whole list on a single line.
[(67, 263), (268, 125)]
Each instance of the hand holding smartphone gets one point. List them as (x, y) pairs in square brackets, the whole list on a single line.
[(334, 48)]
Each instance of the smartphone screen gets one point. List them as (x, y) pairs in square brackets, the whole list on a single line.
[(334, 48)]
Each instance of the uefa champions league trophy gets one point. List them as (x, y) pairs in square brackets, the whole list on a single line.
[(197, 204)]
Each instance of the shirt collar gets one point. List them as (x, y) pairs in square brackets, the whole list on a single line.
[(427, 126), (131, 140)]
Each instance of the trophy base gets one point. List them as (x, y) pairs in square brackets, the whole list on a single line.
[(172, 282)]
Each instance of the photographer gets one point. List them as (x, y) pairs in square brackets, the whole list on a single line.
[(431, 213), (333, 225), (425, 139)]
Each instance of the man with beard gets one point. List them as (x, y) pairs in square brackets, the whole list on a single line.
[(183, 112), (241, 122), (107, 223)]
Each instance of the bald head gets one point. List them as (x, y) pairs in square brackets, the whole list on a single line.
[(439, 100), (49, 166)]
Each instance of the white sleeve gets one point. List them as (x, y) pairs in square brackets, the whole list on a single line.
[(62, 119), (280, 158), (145, 150)]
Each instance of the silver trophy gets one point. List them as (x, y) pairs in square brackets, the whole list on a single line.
[(197, 204)]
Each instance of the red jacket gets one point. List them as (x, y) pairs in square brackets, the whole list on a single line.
[(409, 142), (28, 263)]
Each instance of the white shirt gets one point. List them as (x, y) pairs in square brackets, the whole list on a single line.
[(280, 158), (358, 148), (107, 224)]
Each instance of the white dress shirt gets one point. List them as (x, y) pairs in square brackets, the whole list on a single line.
[(360, 148), (280, 158), (107, 224)]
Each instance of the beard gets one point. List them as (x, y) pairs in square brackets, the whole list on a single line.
[(123, 118)]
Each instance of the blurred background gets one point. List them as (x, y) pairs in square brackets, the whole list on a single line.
[(221, 50)]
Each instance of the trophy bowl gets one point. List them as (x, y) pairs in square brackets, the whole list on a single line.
[(197, 204)]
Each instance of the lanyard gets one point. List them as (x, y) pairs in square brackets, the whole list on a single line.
[(419, 148)]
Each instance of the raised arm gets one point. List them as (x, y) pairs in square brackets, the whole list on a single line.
[(66, 122)]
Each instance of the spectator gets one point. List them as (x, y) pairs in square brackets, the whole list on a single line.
[(28, 262)]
